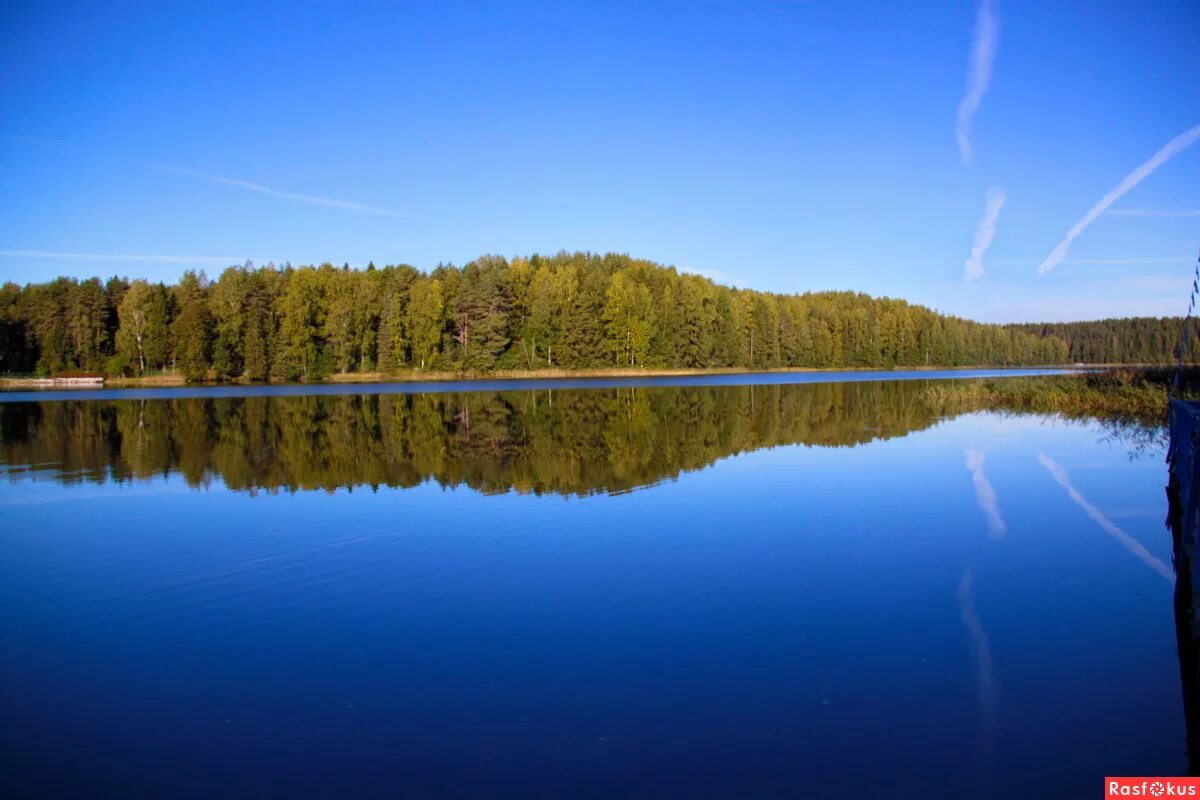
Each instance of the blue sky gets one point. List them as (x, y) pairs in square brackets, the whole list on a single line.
[(777, 146)]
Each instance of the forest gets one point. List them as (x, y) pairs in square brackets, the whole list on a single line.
[(1133, 340), (566, 311)]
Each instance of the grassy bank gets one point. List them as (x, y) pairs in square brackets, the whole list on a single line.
[(412, 376), (1138, 395), (168, 379), (616, 372), (165, 379), (522, 374)]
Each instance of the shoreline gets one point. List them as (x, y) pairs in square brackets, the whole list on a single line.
[(176, 380)]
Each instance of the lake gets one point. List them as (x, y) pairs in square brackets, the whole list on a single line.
[(749, 586)]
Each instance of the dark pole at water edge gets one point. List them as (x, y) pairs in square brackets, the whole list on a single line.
[(1181, 355), (1183, 518)]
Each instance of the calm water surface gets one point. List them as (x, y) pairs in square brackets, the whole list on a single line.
[(752, 591)]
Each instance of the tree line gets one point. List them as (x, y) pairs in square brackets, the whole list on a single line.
[(567, 311), (1133, 340)]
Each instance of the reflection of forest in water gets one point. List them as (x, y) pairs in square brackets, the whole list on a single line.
[(560, 441)]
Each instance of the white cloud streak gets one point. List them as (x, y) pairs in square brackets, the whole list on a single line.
[(310, 199), (985, 495), (1171, 149), (1127, 541), (984, 233), (1154, 212), (979, 76), (158, 259)]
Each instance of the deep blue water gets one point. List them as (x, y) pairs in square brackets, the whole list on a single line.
[(766, 591)]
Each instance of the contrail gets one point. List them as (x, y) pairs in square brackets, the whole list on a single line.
[(1130, 544), (979, 76), (315, 200), (973, 266), (122, 257), (1171, 149), (267, 190), (985, 495)]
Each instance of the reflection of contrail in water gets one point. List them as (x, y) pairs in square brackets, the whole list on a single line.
[(983, 659), (986, 495), (1130, 544)]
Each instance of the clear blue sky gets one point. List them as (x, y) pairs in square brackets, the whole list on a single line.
[(777, 146)]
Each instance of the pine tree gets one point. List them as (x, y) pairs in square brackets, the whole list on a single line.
[(191, 329)]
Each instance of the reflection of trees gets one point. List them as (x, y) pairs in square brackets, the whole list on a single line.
[(1137, 437), (567, 442)]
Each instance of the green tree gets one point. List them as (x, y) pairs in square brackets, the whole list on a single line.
[(551, 294), (228, 299), (628, 320), (142, 339), (392, 337), (481, 307), (191, 330), (424, 318), (301, 323), (16, 351), (86, 331)]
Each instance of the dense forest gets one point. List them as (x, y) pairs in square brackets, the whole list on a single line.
[(568, 311), (571, 442), (1134, 340)]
